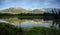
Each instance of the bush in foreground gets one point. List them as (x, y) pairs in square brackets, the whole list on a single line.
[(42, 31), (8, 29)]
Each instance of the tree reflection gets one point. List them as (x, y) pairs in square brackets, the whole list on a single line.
[(56, 23)]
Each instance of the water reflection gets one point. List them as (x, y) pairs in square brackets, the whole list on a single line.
[(28, 23), (56, 23), (32, 24)]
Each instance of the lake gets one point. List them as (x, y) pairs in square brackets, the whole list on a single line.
[(31, 23)]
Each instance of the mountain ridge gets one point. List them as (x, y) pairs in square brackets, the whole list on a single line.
[(17, 10)]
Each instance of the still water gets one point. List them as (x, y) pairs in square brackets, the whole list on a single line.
[(30, 23)]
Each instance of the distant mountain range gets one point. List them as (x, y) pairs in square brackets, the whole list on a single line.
[(21, 10), (14, 10)]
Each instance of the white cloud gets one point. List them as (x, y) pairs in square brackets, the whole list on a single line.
[(47, 3)]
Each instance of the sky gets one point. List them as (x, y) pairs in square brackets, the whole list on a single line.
[(29, 3)]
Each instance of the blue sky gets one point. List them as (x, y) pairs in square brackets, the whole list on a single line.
[(29, 3)]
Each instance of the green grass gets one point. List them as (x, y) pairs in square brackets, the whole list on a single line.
[(23, 17), (8, 29), (42, 31)]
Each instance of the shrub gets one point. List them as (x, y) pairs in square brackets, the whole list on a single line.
[(8, 29), (42, 31)]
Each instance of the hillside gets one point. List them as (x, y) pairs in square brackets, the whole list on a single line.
[(14, 11), (39, 11), (18, 10)]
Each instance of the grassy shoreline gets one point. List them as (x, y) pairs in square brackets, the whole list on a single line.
[(8, 29)]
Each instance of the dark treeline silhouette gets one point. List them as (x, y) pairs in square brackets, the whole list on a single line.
[(54, 16), (22, 16), (6, 14), (45, 15), (28, 14)]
